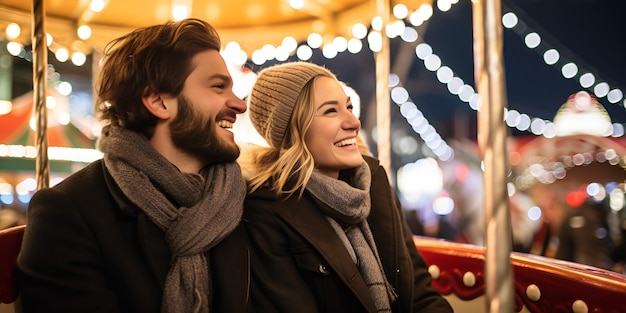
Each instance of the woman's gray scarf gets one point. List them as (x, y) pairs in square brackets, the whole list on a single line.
[(351, 206), (196, 211)]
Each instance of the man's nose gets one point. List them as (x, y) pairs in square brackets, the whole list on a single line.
[(237, 104)]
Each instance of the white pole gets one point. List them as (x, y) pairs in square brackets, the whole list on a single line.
[(383, 109), (490, 82)]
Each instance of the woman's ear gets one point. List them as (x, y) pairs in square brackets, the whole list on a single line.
[(154, 103)]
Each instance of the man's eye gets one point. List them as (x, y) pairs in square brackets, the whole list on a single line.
[(350, 107)]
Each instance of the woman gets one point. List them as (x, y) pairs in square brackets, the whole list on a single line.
[(326, 233)]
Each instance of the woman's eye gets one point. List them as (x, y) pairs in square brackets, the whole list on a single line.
[(350, 107)]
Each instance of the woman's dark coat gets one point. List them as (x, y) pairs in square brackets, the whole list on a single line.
[(87, 249), (300, 265)]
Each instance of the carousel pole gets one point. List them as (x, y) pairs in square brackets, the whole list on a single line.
[(381, 58), (489, 76), (40, 71)]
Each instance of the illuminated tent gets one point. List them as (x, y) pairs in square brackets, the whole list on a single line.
[(17, 138), (581, 151), (16, 129)]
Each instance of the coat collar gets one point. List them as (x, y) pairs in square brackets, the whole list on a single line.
[(312, 224)]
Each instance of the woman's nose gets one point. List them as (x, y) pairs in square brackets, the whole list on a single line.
[(351, 121)]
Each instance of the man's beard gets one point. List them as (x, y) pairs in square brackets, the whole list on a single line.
[(197, 135)]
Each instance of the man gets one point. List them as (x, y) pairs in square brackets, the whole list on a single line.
[(153, 227)]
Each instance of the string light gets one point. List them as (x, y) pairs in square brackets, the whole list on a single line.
[(553, 57), (419, 123), (13, 31)]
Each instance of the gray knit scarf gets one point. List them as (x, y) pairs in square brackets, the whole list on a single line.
[(196, 211), (351, 206)]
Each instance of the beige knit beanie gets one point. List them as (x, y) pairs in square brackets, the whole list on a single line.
[(274, 96)]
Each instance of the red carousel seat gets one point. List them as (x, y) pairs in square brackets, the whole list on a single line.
[(10, 244), (540, 284)]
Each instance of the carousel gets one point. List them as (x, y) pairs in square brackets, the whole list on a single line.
[(507, 197)]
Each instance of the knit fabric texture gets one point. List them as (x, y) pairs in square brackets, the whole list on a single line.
[(195, 210), (274, 96), (350, 206)]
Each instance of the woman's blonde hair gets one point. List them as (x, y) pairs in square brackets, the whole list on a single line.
[(287, 168)]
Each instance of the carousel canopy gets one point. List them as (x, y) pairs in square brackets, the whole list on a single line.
[(251, 23)]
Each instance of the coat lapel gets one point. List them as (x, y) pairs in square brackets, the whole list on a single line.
[(312, 224), (151, 238), (153, 246)]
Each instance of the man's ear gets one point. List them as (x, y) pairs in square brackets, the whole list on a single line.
[(154, 103)]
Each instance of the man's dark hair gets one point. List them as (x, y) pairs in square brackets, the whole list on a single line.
[(150, 59)]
